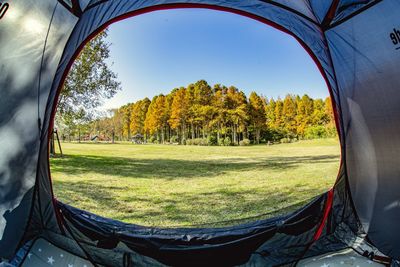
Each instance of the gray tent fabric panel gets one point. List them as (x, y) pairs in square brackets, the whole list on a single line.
[(25, 80), (302, 6), (320, 8), (343, 8), (44, 254), (344, 258), (23, 32), (366, 62), (59, 32), (347, 7)]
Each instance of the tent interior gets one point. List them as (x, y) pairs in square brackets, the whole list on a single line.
[(355, 45)]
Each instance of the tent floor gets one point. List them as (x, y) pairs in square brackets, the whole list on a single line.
[(44, 254), (347, 257)]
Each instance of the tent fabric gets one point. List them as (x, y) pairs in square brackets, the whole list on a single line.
[(342, 258), (44, 254), (355, 44), (226, 246)]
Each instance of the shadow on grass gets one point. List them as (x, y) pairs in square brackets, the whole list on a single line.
[(223, 207), (183, 208), (177, 169)]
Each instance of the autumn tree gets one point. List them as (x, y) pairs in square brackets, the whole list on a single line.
[(289, 115), (270, 113), (278, 123), (257, 115), (156, 117), (219, 115), (319, 117), (179, 113), (305, 110), (138, 116)]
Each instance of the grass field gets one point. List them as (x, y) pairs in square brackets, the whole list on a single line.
[(168, 185)]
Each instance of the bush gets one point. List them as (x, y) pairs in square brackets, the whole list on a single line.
[(315, 132), (331, 130), (227, 141), (273, 135), (212, 140), (153, 139), (197, 142), (285, 140), (189, 142), (244, 142), (221, 142), (174, 139), (201, 141)]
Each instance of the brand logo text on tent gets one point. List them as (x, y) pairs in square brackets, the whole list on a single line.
[(395, 37)]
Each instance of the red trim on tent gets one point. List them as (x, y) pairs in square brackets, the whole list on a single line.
[(328, 207), (212, 7)]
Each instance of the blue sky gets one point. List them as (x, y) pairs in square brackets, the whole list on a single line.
[(156, 52)]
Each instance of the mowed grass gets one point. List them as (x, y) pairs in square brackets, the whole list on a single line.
[(170, 185)]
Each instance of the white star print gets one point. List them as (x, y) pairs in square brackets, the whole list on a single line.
[(342, 262), (40, 250), (325, 265), (29, 255), (84, 265), (352, 258), (62, 255), (369, 262), (50, 260), (70, 265)]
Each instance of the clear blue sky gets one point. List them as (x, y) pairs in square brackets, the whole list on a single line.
[(156, 52)]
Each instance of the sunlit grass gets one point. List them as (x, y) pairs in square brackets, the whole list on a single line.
[(170, 185)]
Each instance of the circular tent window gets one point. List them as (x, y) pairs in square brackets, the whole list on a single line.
[(213, 119)]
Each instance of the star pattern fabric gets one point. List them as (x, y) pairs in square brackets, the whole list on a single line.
[(342, 258), (45, 254)]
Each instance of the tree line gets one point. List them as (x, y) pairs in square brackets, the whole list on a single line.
[(213, 115)]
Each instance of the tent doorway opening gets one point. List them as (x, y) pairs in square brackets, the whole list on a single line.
[(176, 120)]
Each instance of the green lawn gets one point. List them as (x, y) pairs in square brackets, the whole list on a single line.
[(170, 185)]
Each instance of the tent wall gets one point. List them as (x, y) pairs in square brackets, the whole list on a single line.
[(366, 62), (31, 45)]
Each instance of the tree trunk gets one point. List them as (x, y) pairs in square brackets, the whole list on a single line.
[(52, 144), (218, 129), (233, 133), (192, 130)]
